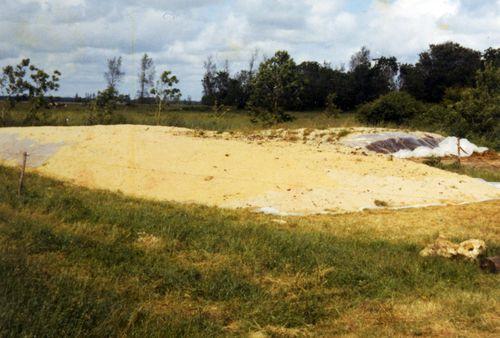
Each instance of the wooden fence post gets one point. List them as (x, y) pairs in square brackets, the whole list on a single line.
[(21, 178)]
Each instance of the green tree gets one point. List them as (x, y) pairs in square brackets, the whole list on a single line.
[(331, 108), (361, 58), (4, 105), (492, 56), (165, 92), (477, 114), (442, 66), (365, 82), (395, 107), (27, 80), (103, 106), (469, 112), (276, 87), (318, 81), (208, 82), (146, 76), (39, 84), (15, 83), (114, 74)]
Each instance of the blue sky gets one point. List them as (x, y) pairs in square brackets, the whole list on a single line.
[(77, 36)]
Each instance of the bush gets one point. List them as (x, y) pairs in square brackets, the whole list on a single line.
[(395, 107), (473, 113)]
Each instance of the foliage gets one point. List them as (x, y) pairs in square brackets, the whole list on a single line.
[(470, 112), (114, 74), (27, 80), (442, 66), (41, 83), (331, 108), (366, 82), (275, 88), (14, 79), (5, 118), (208, 82), (165, 92), (492, 56), (146, 77), (396, 107), (361, 58), (221, 88), (102, 108)]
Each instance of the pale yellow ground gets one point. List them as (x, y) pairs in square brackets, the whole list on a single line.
[(172, 164)]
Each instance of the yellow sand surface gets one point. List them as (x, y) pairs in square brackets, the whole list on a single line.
[(282, 177)]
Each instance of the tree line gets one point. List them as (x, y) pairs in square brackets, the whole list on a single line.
[(452, 87), (281, 83)]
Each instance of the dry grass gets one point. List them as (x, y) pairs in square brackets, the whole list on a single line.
[(475, 220)]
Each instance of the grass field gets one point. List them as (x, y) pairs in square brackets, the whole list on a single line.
[(489, 173), (188, 116), (81, 262)]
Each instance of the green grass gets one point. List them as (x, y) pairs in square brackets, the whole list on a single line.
[(489, 174), (77, 262), (193, 117)]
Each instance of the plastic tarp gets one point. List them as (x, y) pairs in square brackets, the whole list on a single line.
[(406, 145), (12, 148)]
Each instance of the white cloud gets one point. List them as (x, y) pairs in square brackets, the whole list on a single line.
[(76, 36)]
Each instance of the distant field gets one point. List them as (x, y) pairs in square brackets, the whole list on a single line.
[(188, 116), (79, 262)]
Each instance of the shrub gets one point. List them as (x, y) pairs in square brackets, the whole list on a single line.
[(395, 107), (331, 108), (469, 112)]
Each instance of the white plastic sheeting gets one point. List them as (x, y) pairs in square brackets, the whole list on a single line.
[(447, 147), (494, 184), (412, 144), (12, 147)]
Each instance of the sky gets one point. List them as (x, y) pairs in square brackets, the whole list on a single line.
[(78, 36)]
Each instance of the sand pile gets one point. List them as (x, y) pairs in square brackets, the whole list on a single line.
[(274, 176)]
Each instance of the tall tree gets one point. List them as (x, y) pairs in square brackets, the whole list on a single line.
[(386, 70), (442, 66), (492, 56), (360, 58), (208, 81), (276, 87), (146, 76), (317, 84), (114, 73)]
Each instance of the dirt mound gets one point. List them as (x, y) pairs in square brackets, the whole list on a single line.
[(273, 176)]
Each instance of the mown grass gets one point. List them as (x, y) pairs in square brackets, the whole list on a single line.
[(80, 262), (187, 116)]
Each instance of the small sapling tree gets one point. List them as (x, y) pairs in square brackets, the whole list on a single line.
[(331, 108), (103, 107), (165, 92), (15, 83), (26, 79), (40, 84)]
